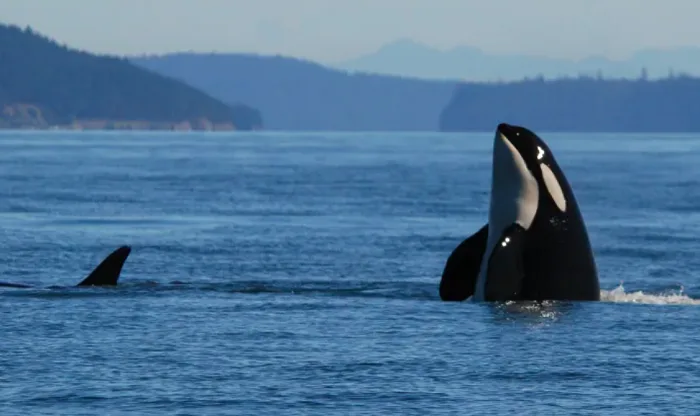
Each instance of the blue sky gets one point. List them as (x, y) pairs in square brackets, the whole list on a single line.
[(334, 30)]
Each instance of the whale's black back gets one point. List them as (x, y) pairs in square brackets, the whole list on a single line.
[(557, 255)]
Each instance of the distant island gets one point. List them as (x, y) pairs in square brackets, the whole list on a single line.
[(301, 95), (583, 104), (44, 85)]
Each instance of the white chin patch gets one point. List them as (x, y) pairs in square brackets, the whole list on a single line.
[(514, 198), (514, 191), (553, 187)]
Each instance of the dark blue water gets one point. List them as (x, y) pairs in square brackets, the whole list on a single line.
[(297, 275)]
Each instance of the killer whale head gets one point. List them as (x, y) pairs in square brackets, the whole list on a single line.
[(525, 175)]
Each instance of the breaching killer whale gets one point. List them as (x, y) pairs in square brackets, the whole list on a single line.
[(535, 245), (105, 274)]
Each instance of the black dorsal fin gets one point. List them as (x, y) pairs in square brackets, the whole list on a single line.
[(107, 273)]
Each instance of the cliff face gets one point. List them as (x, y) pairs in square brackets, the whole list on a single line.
[(577, 105), (45, 85)]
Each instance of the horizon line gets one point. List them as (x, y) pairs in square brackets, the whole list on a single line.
[(376, 49), (599, 73)]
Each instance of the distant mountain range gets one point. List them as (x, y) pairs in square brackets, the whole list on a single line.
[(412, 59)]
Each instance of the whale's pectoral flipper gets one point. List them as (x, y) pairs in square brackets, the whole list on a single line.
[(462, 267), (506, 273), (107, 273)]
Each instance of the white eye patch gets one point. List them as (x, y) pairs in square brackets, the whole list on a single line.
[(553, 187)]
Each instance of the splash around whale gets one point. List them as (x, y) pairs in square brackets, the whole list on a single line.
[(105, 274), (535, 245)]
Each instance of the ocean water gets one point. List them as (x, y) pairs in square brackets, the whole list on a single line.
[(297, 274)]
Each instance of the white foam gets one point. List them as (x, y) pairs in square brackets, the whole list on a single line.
[(618, 295)]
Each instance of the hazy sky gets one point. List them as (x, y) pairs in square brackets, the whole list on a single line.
[(332, 30)]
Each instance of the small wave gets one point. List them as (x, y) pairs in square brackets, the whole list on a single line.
[(398, 290), (387, 289), (618, 295)]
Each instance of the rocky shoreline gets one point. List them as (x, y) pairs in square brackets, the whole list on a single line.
[(30, 117)]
